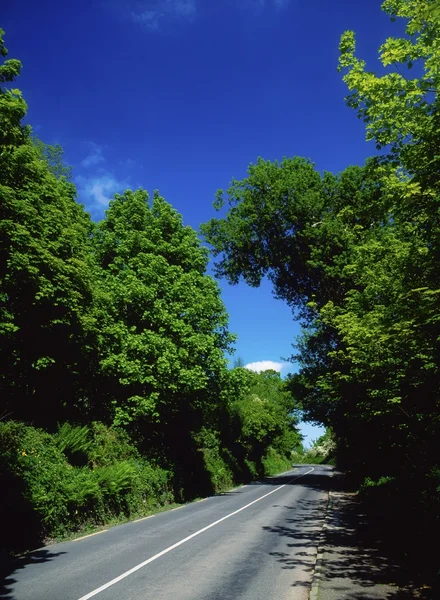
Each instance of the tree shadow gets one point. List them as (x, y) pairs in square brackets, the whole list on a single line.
[(9, 566), (354, 565), (316, 481)]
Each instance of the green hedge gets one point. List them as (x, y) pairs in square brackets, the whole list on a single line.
[(54, 484)]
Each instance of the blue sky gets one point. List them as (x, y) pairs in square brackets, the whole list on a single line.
[(181, 95)]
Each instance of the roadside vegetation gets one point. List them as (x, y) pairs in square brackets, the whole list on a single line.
[(116, 392), (356, 255), (321, 452)]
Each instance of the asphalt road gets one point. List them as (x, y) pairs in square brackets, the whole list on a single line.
[(256, 542)]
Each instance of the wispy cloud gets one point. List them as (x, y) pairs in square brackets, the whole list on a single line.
[(150, 13), (96, 185), (97, 191), (94, 157), (264, 365), (257, 6)]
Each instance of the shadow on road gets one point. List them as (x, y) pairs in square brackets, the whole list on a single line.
[(353, 566), (317, 480), (9, 566), (301, 532)]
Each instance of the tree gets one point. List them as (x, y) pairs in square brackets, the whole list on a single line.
[(290, 223), (402, 112), (12, 106), (54, 157), (263, 419), (356, 256), (163, 325), (45, 276)]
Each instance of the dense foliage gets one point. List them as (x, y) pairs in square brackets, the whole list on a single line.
[(115, 387), (356, 255)]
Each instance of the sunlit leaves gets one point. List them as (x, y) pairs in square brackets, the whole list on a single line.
[(164, 324)]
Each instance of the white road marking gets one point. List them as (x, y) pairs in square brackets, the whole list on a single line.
[(142, 519), (189, 537), (83, 537)]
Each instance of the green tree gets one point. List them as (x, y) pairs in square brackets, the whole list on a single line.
[(289, 223), (401, 111), (54, 157), (356, 255), (264, 418), (45, 276), (12, 106), (163, 324)]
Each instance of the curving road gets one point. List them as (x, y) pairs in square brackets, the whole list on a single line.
[(256, 542)]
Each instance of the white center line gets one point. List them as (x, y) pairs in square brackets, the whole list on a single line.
[(190, 537)]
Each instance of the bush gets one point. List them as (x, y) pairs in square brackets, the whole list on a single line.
[(44, 495), (274, 462), (216, 462), (31, 458), (110, 445), (220, 474), (75, 442)]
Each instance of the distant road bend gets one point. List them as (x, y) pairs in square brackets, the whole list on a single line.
[(258, 542)]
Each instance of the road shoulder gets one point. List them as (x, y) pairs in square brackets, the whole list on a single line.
[(348, 565)]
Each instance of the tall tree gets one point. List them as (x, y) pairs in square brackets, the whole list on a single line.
[(164, 326), (357, 256), (45, 276)]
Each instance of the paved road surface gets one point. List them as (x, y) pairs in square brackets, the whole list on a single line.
[(256, 542)]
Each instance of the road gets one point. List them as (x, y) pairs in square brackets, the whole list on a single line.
[(256, 542)]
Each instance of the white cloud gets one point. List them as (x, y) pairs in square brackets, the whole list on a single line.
[(149, 13), (97, 191), (264, 365), (94, 156), (96, 186), (258, 6)]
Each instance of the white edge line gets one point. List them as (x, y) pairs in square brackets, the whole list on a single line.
[(189, 537), (142, 519), (83, 537)]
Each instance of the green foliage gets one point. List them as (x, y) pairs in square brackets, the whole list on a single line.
[(73, 439), (113, 323), (110, 445), (220, 472), (399, 108), (274, 463), (54, 497), (322, 451), (32, 458), (113, 341), (45, 277), (12, 106), (54, 157), (263, 421), (164, 325), (75, 442), (356, 256), (291, 190)]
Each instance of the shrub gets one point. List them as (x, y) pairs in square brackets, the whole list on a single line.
[(75, 442), (274, 462), (31, 458), (220, 474), (110, 445), (46, 496), (215, 462)]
